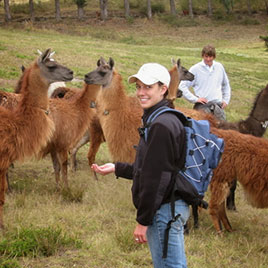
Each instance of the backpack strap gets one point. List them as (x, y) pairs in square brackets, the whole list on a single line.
[(159, 111), (173, 219)]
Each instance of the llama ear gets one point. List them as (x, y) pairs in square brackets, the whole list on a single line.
[(111, 63), (179, 62), (22, 68), (45, 55), (101, 61), (173, 61)]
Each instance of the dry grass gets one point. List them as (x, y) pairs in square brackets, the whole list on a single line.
[(100, 213)]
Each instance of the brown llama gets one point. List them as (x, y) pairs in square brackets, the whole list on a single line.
[(255, 124), (26, 129), (119, 115), (177, 73), (244, 158), (71, 116)]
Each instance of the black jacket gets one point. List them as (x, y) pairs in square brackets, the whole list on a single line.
[(155, 162)]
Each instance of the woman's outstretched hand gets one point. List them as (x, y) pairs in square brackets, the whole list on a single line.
[(104, 169)]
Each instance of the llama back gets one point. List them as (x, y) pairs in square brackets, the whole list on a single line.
[(245, 157)]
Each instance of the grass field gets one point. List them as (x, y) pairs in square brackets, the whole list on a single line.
[(91, 227)]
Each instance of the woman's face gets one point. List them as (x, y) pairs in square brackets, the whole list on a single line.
[(149, 95)]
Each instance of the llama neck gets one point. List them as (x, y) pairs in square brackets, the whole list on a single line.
[(174, 83), (115, 94), (89, 94), (34, 89)]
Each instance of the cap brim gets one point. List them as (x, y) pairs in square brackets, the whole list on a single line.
[(143, 79)]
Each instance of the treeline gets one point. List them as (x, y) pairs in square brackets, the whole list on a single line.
[(149, 7)]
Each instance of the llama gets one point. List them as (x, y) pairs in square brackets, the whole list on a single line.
[(26, 129), (255, 124), (244, 158), (116, 111), (177, 74), (71, 116)]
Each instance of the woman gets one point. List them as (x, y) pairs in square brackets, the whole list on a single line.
[(153, 169)]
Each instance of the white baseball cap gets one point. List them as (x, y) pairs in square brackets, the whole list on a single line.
[(151, 73)]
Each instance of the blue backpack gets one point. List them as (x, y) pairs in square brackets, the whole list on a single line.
[(203, 154)]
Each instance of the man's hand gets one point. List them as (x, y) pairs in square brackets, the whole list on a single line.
[(202, 100), (224, 104)]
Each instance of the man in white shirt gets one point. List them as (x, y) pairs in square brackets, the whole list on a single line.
[(210, 81)]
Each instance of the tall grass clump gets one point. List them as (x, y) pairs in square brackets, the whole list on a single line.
[(33, 242)]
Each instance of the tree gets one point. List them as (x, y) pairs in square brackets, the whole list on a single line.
[(149, 9), (209, 8), (7, 11), (228, 4), (191, 14), (172, 7), (31, 9), (80, 8), (103, 9), (57, 10), (249, 7), (266, 6), (126, 4)]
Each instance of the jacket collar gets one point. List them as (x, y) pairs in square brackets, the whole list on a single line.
[(148, 111)]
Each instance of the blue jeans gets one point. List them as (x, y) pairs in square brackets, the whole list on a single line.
[(155, 234)]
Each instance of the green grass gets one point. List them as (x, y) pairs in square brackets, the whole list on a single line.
[(91, 226)]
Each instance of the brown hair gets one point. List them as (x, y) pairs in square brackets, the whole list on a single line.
[(209, 50), (170, 102)]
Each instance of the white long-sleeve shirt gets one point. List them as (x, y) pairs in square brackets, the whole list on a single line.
[(211, 83)]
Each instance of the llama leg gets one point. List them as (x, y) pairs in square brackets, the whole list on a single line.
[(224, 218), (230, 201), (195, 215), (63, 157), (2, 195), (97, 137), (8, 188), (219, 192), (83, 141), (56, 166)]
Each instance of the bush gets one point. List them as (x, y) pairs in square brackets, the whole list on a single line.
[(265, 39)]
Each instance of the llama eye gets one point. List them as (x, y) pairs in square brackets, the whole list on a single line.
[(102, 73)]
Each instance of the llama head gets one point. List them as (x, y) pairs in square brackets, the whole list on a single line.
[(213, 107), (102, 75), (260, 106), (177, 74), (51, 70), (183, 73)]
